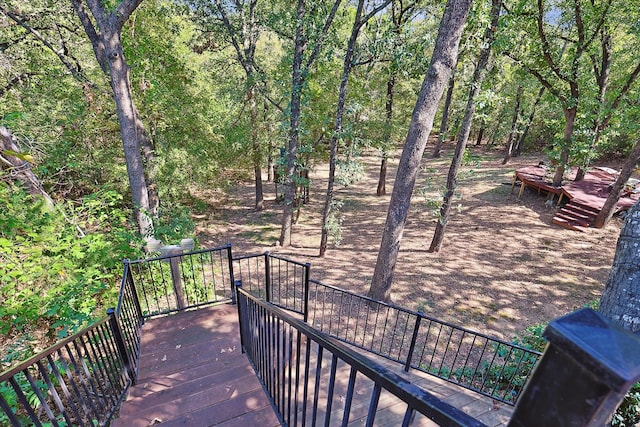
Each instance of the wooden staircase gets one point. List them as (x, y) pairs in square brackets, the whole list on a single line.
[(575, 216)]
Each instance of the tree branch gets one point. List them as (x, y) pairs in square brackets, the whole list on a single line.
[(123, 12), (625, 89), (545, 45), (325, 30), (90, 30), (60, 53), (543, 81)]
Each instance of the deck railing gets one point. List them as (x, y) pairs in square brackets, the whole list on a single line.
[(175, 282), (313, 379), (79, 381), (280, 281), (487, 365)]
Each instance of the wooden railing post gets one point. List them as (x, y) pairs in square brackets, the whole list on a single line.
[(174, 262), (589, 365), (120, 345)]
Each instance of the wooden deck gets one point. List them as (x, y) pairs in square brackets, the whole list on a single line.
[(193, 373), (585, 197)]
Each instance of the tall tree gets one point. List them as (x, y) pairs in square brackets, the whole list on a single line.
[(402, 13), (240, 21), (560, 74), (359, 21), (463, 136), (300, 71), (105, 36), (442, 62)]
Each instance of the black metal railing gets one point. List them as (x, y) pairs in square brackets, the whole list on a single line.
[(175, 282), (278, 280), (312, 379), (79, 381), (487, 365)]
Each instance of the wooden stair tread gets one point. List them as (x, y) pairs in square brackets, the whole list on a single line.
[(568, 225), (572, 219)]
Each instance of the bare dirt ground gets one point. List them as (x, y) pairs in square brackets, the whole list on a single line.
[(503, 266)]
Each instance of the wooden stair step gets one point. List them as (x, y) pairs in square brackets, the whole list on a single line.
[(572, 219), (566, 224), (578, 207), (574, 214)]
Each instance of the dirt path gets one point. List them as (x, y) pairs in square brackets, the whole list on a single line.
[(503, 265)]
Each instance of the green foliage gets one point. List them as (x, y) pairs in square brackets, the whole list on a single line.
[(628, 413), (334, 222), (59, 267), (174, 223)]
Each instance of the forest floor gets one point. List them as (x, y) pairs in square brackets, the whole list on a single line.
[(503, 266)]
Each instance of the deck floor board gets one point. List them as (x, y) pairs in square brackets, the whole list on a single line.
[(192, 372)]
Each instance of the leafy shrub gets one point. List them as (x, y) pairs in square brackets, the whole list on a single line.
[(628, 413), (59, 267)]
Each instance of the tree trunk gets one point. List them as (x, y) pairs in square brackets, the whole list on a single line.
[(255, 147), (445, 117), (337, 128), (294, 122), (299, 73), (570, 119), (107, 47), (382, 176), (388, 125), (512, 133), (121, 84), (476, 84), (605, 214), (12, 159), (620, 300), (523, 135), (442, 63), (480, 136)]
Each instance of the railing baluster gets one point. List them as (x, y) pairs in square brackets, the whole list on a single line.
[(373, 405)]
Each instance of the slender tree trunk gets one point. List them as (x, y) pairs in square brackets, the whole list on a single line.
[(121, 84), (620, 300), (523, 135), (441, 66), (388, 124), (294, 123), (381, 190), (480, 136), (445, 117), (337, 128), (299, 73), (107, 47), (512, 133), (476, 84), (605, 214), (255, 148), (570, 119)]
